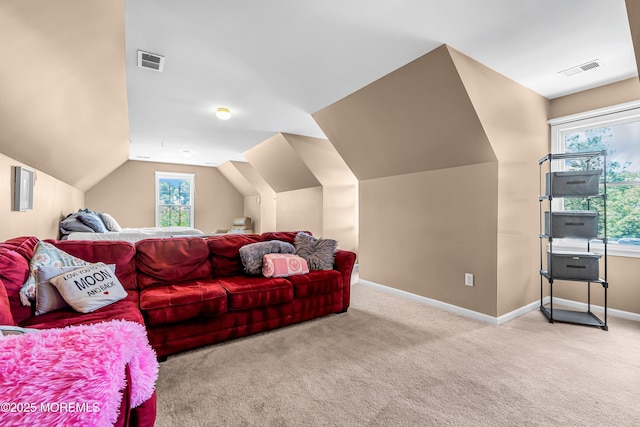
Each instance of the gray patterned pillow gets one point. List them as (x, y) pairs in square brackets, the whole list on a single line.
[(251, 254), (319, 253)]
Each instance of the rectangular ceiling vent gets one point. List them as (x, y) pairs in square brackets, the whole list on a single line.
[(580, 68), (150, 61)]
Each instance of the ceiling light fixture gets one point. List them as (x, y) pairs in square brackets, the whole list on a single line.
[(185, 153), (223, 113)]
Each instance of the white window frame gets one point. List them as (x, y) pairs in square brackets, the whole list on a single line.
[(176, 175), (602, 117)]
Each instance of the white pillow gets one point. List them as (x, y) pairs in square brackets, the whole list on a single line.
[(47, 296), (89, 288), (110, 222)]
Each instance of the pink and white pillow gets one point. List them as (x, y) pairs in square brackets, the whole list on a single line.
[(283, 265)]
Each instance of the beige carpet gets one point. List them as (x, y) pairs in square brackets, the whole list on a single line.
[(390, 361)]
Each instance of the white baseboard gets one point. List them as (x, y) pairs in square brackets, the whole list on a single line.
[(518, 312), (500, 320), (433, 302)]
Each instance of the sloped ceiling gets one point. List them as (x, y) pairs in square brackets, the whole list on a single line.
[(322, 159), (280, 165), (273, 63), (633, 12), (513, 117), (408, 121), (252, 176), (237, 179), (63, 102)]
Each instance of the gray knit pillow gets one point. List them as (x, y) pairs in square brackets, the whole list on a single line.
[(251, 254), (319, 253)]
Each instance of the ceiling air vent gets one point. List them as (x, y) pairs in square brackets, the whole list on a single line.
[(580, 68), (150, 61)]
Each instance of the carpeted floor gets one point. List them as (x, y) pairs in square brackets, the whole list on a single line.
[(390, 361)]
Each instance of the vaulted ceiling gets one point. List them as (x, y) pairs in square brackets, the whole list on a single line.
[(75, 105), (276, 63)]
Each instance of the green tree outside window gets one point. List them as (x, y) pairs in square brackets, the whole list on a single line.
[(174, 201), (623, 179)]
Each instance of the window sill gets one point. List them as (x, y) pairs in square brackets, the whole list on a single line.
[(613, 249)]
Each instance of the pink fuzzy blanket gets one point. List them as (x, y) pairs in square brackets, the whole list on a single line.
[(74, 376)]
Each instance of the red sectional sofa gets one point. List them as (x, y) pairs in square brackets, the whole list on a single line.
[(187, 291)]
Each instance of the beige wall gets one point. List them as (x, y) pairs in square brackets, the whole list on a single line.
[(280, 166), (339, 188), (603, 96), (428, 182), (417, 118), (129, 195), (52, 201), (300, 210), (233, 175), (515, 121), (252, 210), (263, 206), (422, 232), (63, 102), (633, 13), (315, 191), (340, 215)]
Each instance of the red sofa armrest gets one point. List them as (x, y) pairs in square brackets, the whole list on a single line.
[(344, 262), (145, 414), (141, 416)]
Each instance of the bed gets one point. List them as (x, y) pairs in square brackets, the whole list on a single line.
[(134, 234), (91, 225)]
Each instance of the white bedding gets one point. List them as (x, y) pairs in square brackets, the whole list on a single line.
[(134, 234)]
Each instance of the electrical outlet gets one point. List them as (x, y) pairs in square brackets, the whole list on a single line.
[(468, 279)]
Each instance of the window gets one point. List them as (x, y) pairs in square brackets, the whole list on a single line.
[(616, 130), (174, 199)]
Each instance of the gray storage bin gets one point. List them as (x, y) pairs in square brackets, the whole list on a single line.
[(574, 183), (573, 265), (576, 224)]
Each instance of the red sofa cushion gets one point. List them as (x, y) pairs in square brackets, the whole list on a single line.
[(6, 318), (14, 269), (126, 309), (25, 245), (285, 236), (120, 253), (225, 253), (175, 303), (171, 260), (317, 282), (250, 291)]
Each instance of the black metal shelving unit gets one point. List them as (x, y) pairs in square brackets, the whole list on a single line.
[(552, 314)]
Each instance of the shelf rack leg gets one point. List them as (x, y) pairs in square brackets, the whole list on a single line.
[(551, 301), (606, 286)]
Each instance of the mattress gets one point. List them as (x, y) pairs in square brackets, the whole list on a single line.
[(134, 234)]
